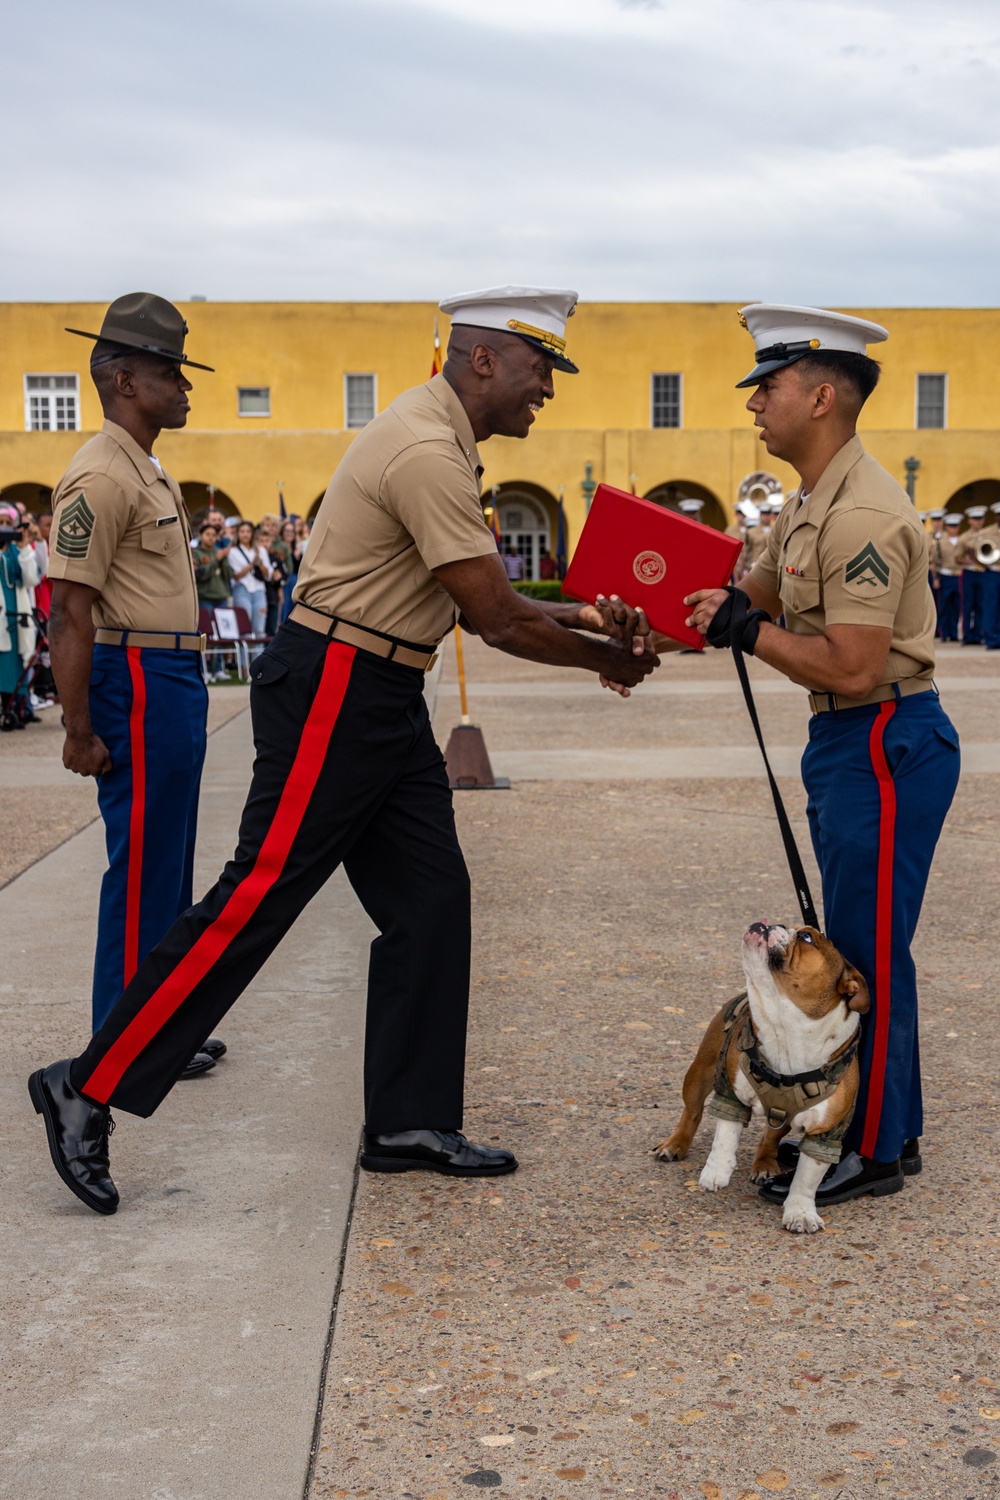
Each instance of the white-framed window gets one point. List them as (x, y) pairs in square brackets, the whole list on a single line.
[(665, 400), (359, 400), (52, 403), (253, 400), (932, 400)]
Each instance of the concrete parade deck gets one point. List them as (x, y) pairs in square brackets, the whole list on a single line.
[(257, 1321)]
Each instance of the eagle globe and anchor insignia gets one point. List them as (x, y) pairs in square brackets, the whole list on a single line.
[(649, 567)]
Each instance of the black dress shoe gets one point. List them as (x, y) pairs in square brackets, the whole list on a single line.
[(433, 1151), (215, 1047), (200, 1063), (78, 1134), (910, 1159), (851, 1177)]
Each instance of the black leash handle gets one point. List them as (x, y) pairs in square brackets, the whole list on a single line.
[(809, 917)]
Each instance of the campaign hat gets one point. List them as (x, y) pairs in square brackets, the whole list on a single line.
[(141, 320), (536, 314), (783, 334)]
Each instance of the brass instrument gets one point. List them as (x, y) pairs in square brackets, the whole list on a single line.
[(988, 553)]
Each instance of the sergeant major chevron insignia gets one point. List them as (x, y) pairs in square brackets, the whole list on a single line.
[(76, 526), (867, 574)]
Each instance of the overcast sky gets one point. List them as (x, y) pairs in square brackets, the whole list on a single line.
[(844, 152)]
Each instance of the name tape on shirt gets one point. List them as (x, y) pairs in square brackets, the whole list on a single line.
[(76, 527)]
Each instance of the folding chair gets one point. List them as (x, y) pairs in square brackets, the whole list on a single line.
[(222, 640)]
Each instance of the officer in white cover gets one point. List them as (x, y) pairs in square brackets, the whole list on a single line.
[(348, 771)]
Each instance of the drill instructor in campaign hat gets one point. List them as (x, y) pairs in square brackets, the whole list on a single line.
[(846, 563), (126, 652), (347, 769)]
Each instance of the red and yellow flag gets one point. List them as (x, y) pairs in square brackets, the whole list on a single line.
[(436, 362)]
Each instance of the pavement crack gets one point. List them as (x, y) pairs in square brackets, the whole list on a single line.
[(317, 1431)]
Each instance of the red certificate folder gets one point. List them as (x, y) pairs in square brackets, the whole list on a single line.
[(651, 558)]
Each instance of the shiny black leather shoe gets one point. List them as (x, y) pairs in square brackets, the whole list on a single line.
[(215, 1047), (851, 1177), (433, 1151), (200, 1063), (910, 1159), (78, 1134)]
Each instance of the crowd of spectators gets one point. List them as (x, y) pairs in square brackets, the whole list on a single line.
[(251, 566), (26, 685)]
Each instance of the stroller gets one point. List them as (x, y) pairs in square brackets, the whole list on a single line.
[(15, 708)]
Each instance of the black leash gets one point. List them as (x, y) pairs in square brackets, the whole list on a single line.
[(809, 917)]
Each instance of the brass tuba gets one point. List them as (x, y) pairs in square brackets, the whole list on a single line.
[(988, 553)]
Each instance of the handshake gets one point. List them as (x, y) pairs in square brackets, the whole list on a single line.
[(629, 629)]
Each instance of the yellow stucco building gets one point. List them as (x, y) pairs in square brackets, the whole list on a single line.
[(654, 408)]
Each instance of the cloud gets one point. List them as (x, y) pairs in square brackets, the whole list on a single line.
[(840, 152)]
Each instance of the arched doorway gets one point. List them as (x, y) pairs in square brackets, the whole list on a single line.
[(671, 494), (527, 519), (200, 495), (35, 497), (979, 492), (311, 513)]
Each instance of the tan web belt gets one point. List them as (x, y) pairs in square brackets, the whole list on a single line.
[(826, 703), (389, 649), (151, 640)]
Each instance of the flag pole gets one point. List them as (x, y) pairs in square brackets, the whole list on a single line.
[(460, 662)]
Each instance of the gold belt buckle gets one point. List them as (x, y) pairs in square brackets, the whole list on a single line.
[(431, 660)]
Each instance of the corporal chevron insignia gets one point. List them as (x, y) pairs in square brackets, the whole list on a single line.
[(76, 526), (867, 574)]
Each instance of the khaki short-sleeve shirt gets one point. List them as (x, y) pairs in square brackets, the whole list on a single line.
[(404, 500), (855, 553), (119, 524), (969, 542), (949, 549)]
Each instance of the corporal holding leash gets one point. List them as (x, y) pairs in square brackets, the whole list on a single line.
[(846, 565)]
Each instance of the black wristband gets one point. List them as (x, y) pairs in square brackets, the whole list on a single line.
[(755, 619), (719, 632)]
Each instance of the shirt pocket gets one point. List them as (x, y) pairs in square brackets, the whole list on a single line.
[(800, 595), (161, 565)]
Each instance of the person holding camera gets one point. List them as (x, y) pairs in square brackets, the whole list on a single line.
[(250, 568), (20, 571)]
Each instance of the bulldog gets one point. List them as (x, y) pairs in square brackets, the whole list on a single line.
[(786, 1051)]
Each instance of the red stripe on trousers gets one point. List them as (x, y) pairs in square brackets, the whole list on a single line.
[(246, 898), (883, 927), (137, 815)]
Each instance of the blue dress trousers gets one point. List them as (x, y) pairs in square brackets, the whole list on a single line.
[(149, 706), (880, 780)]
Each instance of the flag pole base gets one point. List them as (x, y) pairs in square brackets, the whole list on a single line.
[(468, 762)]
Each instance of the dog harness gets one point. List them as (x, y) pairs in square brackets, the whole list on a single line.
[(782, 1095)]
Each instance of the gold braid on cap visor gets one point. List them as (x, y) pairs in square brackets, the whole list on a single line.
[(550, 340)]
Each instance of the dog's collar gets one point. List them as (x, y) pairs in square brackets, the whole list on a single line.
[(760, 1070)]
